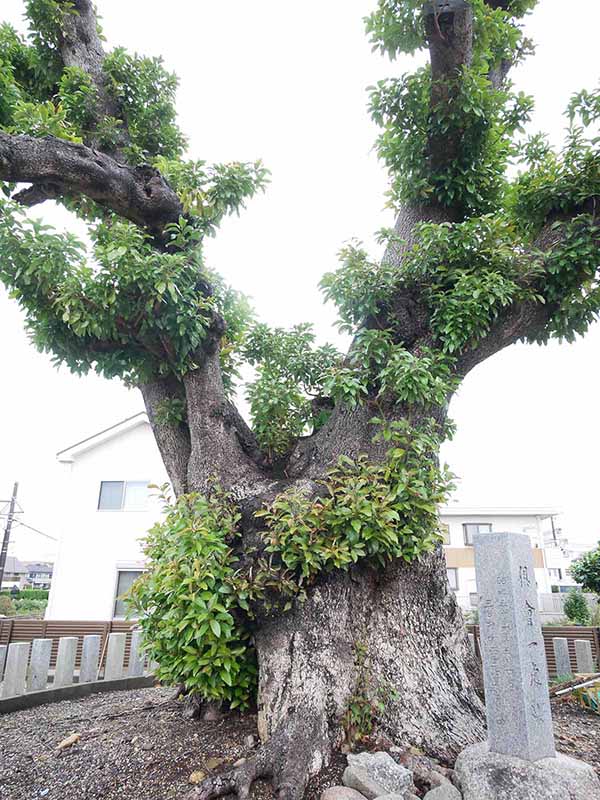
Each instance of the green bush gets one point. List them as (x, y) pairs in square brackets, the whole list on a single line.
[(576, 608), (586, 571), (186, 601), (28, 594), (7, 607)]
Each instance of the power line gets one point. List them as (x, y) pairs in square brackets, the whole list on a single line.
[(31, 528)]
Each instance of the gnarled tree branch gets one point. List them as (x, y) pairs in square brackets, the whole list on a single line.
[(139, 194)]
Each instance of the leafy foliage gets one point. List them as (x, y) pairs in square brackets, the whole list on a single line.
[(481, 118), (576, 608), (188, 600), (367, 701), (135, 311), (378, 367), (290, 370), (398, 26), (586, 571), (139, 312), (146, 95), (375, 511), (360, 287), (468, 108)]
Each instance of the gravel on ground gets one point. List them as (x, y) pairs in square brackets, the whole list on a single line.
[(135, 745)]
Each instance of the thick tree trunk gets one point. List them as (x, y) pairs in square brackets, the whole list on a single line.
[(418, 672)]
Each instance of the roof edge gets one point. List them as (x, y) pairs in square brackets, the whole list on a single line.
[(69, 453)]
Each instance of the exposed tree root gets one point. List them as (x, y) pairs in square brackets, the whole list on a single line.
[(290, 758)]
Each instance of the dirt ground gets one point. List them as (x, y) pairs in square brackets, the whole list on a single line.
[(135, 746)]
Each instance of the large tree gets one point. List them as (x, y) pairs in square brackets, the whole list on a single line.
[(307, 541)]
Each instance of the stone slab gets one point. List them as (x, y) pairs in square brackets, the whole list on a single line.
[(490, 776), (115, 656), (90, 656), (444, 792), (3, 652), (137, 657), (514, 661), (341, 793), (15, 673), (561, 654), (65, 661), (39, 664), (376, 774), (584, 656)]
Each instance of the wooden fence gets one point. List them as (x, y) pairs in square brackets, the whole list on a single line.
[(26, 630), (26, 668), (550, 632)]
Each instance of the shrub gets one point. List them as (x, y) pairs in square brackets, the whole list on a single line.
[(7, 607), (188, 601), (586, 571), (27, 594), (576, 608)]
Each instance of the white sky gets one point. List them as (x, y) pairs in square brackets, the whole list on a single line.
[(286, 82)]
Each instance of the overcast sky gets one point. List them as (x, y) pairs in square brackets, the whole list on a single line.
[(286, 82)]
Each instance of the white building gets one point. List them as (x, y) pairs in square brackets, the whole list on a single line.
[(461, 523), (108, 508)]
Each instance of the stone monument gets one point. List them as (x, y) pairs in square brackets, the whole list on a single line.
[(519, 760)]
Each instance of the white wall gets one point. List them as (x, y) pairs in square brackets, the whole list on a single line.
[(501, 523), (95, 544), (529, 524)]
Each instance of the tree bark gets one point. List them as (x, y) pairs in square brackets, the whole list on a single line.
[(56, 167), (418, 664)]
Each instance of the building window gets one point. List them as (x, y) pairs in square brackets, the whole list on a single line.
[(123, 496), (555, 573), (125, 580), (445, 531), (470, 529), (452, 578)]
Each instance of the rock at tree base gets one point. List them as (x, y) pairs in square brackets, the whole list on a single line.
[(444, 792), (376, 774), (341, 793), (490, 776)]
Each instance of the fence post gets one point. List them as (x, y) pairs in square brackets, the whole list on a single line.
[(90, 653), (596, 633), (136, 655), (115, 655), (16, 669), (561, 654), (584, 657), (65, 661), (37, 677)]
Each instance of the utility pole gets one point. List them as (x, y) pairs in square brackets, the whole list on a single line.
[(6, 540)]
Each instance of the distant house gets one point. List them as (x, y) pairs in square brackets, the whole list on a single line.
[(15, 574), (39, 575), (109, 508), (460, 524)]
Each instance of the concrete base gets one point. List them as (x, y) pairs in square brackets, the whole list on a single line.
[(73, 692), (490, 776)]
